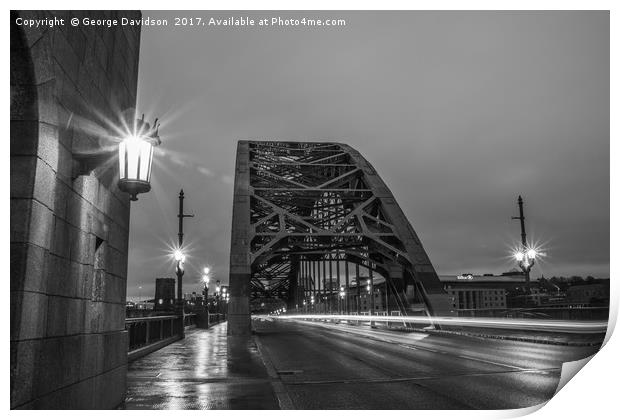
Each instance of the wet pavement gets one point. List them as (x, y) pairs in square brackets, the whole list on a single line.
[(206, 370)]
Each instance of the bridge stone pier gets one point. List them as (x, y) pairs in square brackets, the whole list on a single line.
[(302, 207), (69, 222)]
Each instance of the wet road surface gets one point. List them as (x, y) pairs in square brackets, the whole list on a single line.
[(206, 370), (333, 366)]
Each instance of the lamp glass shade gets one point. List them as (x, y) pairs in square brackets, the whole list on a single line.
[(135, 157)]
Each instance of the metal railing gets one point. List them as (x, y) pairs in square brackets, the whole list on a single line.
[(145, 331), (216, 318)]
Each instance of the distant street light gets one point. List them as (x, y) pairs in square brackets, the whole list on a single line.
[(205, 279), (526, 259), (135, 155), (180, 257), (218, 295), (525, 256)]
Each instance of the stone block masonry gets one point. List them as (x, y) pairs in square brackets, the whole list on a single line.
[(69, 231)]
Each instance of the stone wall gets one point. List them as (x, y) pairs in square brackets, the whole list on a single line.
[(69, 225)]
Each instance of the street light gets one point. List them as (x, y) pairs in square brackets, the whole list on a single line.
[(179, 257), (135, 156), (205, 279), (526, 259)]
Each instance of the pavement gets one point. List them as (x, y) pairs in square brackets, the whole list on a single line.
[(312, 365), (206, 370), (334, 366)]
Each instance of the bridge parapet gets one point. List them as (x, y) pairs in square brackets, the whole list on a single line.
[(147, 334)]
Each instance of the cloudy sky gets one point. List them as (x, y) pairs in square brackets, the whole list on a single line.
[(458, 112)]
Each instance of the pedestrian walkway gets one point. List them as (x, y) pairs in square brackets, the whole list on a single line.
[(206, 370)]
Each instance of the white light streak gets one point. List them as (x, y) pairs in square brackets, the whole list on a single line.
[(498, 323)]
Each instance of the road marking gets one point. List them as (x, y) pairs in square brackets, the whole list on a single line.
[(409, 346), (491, 362), (420, 378), (476, 359)]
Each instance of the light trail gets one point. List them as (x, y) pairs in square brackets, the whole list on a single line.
[(581, 327)]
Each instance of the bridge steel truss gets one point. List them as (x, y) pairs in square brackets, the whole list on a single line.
[(300, 206)]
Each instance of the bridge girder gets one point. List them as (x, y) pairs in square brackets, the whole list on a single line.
[(299, 203)]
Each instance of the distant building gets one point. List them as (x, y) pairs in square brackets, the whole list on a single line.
[(164, 294), (472, 291), (463, 297), (596, 294), (366, 301)]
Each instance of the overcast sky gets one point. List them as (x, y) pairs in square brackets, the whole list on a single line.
[(458, 112)]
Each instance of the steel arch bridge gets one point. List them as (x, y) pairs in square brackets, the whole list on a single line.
[(300, 208)]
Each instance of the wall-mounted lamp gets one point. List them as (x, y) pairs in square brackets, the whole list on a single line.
[(135, 156)]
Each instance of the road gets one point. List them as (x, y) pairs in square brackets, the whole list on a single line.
[(331, 366)]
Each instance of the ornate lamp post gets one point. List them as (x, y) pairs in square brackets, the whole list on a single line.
[(526, 257), (205, 279), (179, 257), (217, 295)]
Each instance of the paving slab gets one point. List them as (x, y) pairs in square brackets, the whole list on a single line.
[(206, 370)]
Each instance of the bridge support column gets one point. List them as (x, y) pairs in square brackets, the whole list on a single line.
[(239, 322)]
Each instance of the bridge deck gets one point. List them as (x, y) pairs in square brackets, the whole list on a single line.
[(201, 372), (296, 364)]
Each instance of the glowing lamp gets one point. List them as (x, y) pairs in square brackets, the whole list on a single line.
[(531, 253), (179, 256), (519, 256), (135, 155)]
